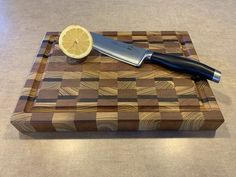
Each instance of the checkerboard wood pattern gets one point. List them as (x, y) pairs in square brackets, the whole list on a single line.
[(103, 94)]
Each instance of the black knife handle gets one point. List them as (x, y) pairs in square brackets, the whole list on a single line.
[(186, 65)]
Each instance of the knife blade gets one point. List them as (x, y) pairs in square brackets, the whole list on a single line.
[(133, 55)]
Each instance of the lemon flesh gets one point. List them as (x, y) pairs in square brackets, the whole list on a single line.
[(76, 42)]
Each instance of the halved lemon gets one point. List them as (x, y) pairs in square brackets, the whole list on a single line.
[(76, 42)]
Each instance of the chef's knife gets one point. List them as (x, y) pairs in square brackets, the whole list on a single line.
[(135, 56)]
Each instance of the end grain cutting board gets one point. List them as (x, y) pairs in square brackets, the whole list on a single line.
[(105, 94)]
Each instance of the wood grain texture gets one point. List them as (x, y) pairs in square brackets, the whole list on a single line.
[(103, 94)]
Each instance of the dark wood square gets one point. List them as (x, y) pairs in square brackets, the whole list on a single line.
[(47, 94), (88, 93), (70, 83)]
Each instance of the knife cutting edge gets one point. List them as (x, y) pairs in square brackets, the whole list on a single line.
[(133, 55)]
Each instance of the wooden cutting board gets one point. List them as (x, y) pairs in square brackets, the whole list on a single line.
[(104, 94)]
